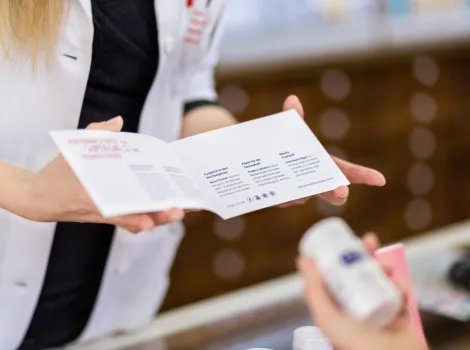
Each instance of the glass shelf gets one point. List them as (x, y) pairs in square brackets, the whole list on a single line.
[(264, 46)]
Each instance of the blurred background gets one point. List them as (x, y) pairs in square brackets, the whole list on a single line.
[(384, 83)]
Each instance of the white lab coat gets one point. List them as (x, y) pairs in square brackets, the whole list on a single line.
[(32, 104)]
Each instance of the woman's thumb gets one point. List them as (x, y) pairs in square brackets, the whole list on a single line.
[(293, 102), (114, 124)]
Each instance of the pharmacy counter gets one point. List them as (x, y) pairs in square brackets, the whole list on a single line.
[(266, 315)]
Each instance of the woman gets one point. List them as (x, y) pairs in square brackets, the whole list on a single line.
[(73, 63), (346, 333)]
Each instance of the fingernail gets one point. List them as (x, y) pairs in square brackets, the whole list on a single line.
[(345, 194), (382, 181), (114, 120)]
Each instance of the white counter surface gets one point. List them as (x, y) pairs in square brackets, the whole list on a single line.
[(261, 296)]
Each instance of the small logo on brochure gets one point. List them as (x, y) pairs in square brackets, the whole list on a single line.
[(259, 197)]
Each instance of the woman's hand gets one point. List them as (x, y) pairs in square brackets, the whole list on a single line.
[(346, 333), (356, 174), (55, 194)]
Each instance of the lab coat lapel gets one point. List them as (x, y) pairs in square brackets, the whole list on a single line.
[(170, 19), (86, 6)]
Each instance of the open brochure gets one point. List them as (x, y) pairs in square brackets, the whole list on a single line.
[(230, 171)]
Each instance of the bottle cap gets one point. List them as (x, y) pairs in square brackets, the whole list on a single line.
[(310, 338), (329, 234)]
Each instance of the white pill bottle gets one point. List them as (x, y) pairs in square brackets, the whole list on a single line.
[(353, 277), (310, 338)]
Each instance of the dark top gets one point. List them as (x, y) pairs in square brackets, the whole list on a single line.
[(124, 64)]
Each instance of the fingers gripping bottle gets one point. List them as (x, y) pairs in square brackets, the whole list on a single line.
[(353, 277)]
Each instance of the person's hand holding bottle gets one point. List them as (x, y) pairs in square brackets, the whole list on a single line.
[(346, 333)]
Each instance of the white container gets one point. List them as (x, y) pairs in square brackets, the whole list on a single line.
[(310, 338), (352, 276)]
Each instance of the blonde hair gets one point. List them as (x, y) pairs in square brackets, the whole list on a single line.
[(30, 26)]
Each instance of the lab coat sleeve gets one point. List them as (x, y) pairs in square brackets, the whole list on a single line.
[(202, 85)]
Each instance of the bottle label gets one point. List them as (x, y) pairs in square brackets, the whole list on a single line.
[(356, 282), (349, 258)]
